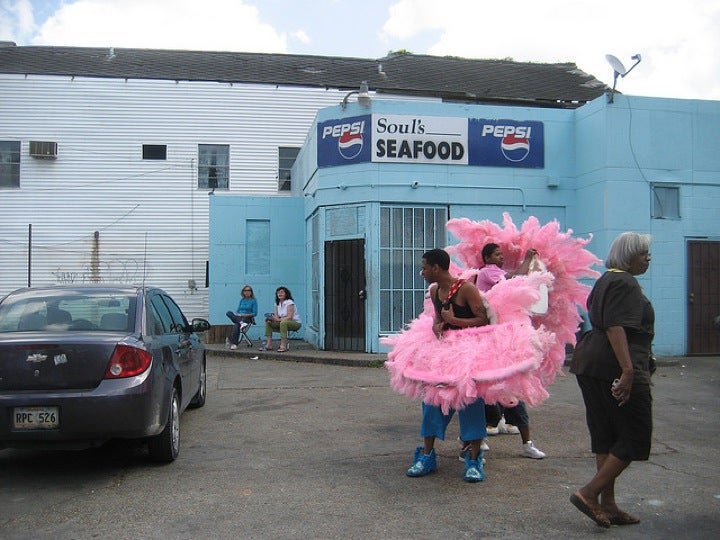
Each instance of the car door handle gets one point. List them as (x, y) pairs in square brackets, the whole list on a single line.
[(182, 347)]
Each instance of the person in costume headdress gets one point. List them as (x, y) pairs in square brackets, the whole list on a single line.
[(457, 304), (501, 419), (519, 354)]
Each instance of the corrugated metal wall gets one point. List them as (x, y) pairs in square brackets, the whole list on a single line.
[(101, 212)]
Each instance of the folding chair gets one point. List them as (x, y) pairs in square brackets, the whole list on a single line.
[(242, 336), (292, 334)]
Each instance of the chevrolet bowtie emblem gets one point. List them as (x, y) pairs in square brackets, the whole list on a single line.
[(37, 357)]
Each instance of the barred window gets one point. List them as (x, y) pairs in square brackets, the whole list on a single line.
[(405, 234)]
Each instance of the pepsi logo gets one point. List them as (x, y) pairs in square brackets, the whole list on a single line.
[(515, 148), (350, 144)]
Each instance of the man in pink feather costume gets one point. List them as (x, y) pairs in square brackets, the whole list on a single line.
[(518, 355), (457, 304)]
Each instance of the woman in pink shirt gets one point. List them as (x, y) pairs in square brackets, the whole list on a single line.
[(492, 273), (517, 417)]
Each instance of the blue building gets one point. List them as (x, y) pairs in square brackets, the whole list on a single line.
[(375, 183)]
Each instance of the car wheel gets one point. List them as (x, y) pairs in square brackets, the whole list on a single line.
[(165, 447), (198, 399)]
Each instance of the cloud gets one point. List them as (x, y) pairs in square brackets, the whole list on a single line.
[(222, 25), (301, 36), (16, 20), (677, 42)]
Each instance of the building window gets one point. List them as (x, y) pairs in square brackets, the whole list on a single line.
[(9, 164), (286, 159), (405, 234), (213, 166), (154, 151), (666, 202)]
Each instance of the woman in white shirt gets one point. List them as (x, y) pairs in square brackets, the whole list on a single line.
[(286, 317)]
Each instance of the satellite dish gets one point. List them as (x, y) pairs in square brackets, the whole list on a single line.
[(619, 70), (616, 64)]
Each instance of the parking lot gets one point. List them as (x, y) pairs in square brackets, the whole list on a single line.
[(288, 449)]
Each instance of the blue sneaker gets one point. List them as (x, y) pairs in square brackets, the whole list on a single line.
[(422, 464), (474, 469)]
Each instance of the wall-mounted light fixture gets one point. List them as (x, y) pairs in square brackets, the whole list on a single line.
[(363, 96)]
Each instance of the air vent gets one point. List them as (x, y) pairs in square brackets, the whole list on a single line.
[(43, 150)]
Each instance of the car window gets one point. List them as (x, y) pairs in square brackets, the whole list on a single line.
[(154, 321), (60, 311), (179, 320), (163, 313)]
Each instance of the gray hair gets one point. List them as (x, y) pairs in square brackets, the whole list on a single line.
[(625, 248)]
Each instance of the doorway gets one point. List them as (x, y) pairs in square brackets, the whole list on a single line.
[(703, 297), (345, 295)]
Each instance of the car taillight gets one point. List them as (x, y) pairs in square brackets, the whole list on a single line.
[(127, 361)]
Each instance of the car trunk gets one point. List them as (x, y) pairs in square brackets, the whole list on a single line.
[(53, 361)]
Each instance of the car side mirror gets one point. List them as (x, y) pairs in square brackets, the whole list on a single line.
[(199, 325)]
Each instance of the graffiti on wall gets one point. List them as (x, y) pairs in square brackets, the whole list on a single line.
[(120, 271)]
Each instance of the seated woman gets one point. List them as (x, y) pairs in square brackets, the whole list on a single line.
[(244, 315), (286, 317)]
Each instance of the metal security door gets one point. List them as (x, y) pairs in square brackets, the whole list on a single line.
[(345, 295), (703, 297)]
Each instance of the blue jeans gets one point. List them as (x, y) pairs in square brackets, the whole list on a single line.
[(236, 319), (472, 421)]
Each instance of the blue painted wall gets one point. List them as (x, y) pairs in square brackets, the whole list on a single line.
[(625, 147), (601, 161), (233, 249)]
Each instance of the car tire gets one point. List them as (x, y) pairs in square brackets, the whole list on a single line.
[(198, 399), (165, 447)]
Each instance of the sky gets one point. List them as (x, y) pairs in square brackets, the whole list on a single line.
[(678, 41)]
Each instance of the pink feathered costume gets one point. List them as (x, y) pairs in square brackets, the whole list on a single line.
[(519, 354)]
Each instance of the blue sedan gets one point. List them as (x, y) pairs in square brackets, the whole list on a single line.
[(81, 365)]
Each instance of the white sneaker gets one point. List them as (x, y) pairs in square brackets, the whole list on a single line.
[(233, 347), (493, 430), (466, 448), (529, 450), (507, 429)]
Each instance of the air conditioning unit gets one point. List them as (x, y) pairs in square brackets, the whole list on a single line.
[(43, 149)]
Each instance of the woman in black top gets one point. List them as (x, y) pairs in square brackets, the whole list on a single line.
[(612, 365)]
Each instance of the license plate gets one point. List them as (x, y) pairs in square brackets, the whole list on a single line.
[(36, 418)]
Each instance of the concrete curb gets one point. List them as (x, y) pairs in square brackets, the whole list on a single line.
[(303, 352)]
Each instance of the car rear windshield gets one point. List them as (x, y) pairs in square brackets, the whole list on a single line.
[(100, 312)]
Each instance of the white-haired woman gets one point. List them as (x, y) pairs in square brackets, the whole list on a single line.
[(612, 365)]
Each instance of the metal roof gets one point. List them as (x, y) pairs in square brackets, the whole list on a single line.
[(450, 78)]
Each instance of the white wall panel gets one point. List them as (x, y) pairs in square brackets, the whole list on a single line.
[(150, 218)]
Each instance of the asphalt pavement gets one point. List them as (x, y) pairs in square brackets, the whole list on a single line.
[(309, 444)]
